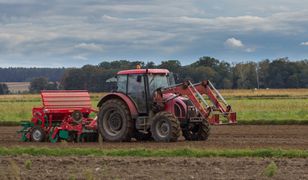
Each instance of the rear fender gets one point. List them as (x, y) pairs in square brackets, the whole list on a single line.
[(129, 103)]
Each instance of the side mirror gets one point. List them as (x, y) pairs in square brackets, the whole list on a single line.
[(139, 78)]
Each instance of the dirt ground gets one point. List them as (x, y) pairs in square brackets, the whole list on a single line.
[(29, 167), (238, 136)]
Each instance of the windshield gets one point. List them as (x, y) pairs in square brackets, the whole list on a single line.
[(157, 81)]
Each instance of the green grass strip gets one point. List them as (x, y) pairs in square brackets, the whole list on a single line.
[(10, 123), (273, 122), (241, 122), (230, 153)]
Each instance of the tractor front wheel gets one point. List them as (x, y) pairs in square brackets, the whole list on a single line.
[(197, 131), (114, 121), (37, 134), (165, 127)]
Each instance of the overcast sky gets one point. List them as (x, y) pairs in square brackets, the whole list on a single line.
[(73, 33)]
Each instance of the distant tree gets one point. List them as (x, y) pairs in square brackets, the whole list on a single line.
[(150, 65), (38, 84), (17, 74), (4, 89), (52, 86), (89, 77), (226, 83), (104, 65), (206, 61), (219, 72), (73, 79), (303, 73), (120, 64), (263, 73), (203, 73), (279, 73), (244, 75), (171, 65)]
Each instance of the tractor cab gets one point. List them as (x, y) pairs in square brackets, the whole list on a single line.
[(140, 84)]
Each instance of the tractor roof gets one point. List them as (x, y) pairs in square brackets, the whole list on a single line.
[(144, 71)]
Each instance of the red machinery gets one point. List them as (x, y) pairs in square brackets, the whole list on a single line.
[(147, 106), (64, 115)]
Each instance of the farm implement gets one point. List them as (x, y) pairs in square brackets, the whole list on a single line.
[(64, 115), (145, 106)]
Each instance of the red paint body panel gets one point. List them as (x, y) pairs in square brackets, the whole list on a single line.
[(143, 71), (177, 101)]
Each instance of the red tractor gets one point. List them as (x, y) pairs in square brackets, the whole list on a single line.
[(148, 106)]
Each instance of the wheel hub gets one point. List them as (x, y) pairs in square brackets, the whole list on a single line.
[(163, 129), (115, 122), (36, 135)]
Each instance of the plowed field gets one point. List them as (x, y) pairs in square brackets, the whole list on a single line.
[(149, 168), (222, 137), (238, 136)]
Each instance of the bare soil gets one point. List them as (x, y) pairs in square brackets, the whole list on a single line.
[(238, 136), (148, 168), (222, 137)]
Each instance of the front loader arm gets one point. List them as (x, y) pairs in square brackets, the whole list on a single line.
[(220, 105), (188, 90), (196, 93)]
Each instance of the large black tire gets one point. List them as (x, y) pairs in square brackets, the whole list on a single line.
[(114, 121), (140, 136), (38, 134), (197, 131), (165, 127)]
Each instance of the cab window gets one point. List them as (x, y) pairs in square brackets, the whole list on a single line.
[(121, 83), (136, 91)]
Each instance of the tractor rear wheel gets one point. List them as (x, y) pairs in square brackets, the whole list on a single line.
[(114, 121), (38, 134), (165, 127), (197, 131)]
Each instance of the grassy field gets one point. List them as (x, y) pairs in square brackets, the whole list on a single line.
[(265, 93), (273, 106), (187, 152), (252, 106)]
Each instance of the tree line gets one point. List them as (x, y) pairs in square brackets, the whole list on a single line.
[(20, 74), (277, 73)]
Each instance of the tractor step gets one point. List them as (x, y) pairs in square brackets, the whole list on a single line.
[(142, 123)]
